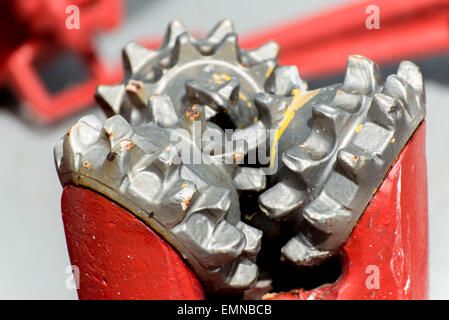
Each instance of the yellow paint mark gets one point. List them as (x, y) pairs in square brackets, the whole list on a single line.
[(393, 140), (374, 191), (217, 78), (225, 76), (359, 128), (256, 119), (249, 104), (184, 185), (242, 96), (269, 71), (298, 101)]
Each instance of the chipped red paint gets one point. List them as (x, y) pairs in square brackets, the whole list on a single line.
[(118, 256), (392, 235)]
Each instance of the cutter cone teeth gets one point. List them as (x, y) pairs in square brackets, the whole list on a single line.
[(138, 59), (211, 67), (340, 152), (174, 30), (268, 51), (162, 111), (283, 80), (336, 145), (194, 207), (228, 48), (136, 93), (217, 96), (300, 251), (362, 76), (398, 88), (411, 73), (110, 98), (220, 31), (253, 238), (250, 179), (283, 199), (386, 110)]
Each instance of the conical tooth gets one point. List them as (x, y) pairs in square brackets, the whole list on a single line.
[(261, 71), (385, 110), (281, 200), (84, 133), (227, 240), (298, 160), (183, 51), (299, 251), (326, 215), (215, 200), (362, 76), (116, 129), (213, 244), (136, 93), (162, 111), (241, 274), (283, 80), (230, 90), (228, 48), (354, 162), (216, 97), (110, 98), (174, 29), (254, 136), (246, 178), (328, 120), (268, 51), (396, 87), (220, 31), (92, 121), (209, 112), (233, 155), (411, 73), (253, 239), (135, 57), (348, 102), (271, 108), (174, 203), (58, 153), (168, 160)]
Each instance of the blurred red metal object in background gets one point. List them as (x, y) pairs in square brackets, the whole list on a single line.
[(320, 44), (35, 30)]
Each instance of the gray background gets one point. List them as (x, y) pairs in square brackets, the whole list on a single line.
[(33, 253)]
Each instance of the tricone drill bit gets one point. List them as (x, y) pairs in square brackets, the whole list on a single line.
[(330, 150)]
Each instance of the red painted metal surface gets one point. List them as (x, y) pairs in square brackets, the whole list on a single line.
[(392, 236), (118, 256)]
